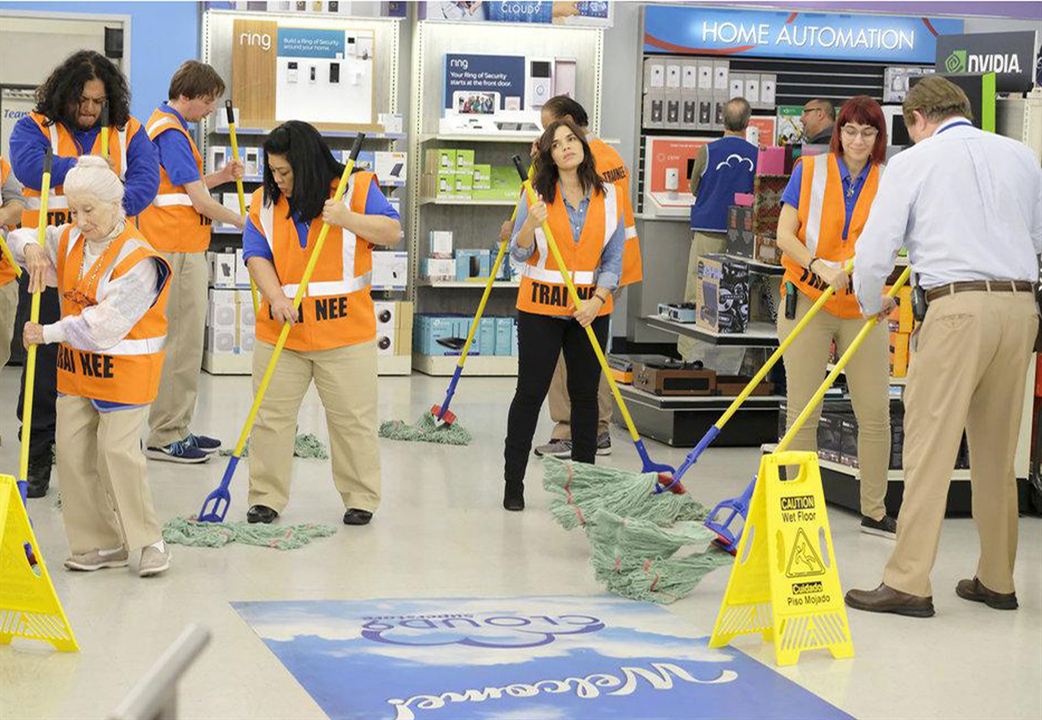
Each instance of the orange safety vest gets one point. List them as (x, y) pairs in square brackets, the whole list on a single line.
[(171, 223), (6, 268), (129, 371), (543, 290), (64, 145), (822, 214), (609, 165), (338, 308)]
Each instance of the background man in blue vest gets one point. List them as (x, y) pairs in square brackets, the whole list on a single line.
[(721, 169)]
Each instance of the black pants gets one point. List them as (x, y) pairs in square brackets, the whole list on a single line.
[(45, 389), (541, 339)]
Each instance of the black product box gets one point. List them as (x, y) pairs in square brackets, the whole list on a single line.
[(848, 442), (830, 438), (740, 237), (722, 294)]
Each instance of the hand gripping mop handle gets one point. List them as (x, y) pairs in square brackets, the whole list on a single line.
[(728, 539), (104, 130), (242, 195), (648, 465), (34, 317), (215, 506), (441, 411), (718, 426)]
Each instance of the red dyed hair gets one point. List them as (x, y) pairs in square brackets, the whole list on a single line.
[(863, 110)]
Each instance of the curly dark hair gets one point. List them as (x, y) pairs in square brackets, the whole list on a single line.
[(62, 90), (314, 167), (546, 172)]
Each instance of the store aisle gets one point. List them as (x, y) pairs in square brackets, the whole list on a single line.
[(441, 533)]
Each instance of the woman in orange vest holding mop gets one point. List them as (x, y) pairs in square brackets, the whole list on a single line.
[(333, 338), (585, 216), (113, 288), (826, 204)]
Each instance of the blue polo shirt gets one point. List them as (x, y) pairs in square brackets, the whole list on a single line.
[(851, 189), (254, 244), (175, 152)]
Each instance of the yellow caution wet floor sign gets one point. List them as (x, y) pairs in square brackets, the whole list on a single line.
[(29, 607), (784, 583)]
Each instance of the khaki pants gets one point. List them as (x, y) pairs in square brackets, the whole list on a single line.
[(969, 372), (106, 501), (561, 406), (8, 308), (722, 359), (346, 381), (186, 325), (868, 378)]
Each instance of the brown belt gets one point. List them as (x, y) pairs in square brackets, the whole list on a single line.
[(979, 286)]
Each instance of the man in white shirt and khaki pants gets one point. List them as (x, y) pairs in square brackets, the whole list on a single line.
[(968, 206)]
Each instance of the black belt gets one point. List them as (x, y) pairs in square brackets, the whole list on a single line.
[(1010, 286)]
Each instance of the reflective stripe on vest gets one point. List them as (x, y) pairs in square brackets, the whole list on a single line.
[(53, 128), (538, 271), (168, 199)]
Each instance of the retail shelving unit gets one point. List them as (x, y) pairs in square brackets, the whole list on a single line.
[(476, 223), (216, 43)]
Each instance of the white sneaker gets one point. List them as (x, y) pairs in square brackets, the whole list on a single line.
[(153, 561), (97, 560)]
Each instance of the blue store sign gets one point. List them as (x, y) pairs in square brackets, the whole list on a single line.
[(753, 33)]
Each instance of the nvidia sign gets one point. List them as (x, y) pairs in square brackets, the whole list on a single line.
[(1009, 55)]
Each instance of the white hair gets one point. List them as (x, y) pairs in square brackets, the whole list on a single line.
[(92, 176)]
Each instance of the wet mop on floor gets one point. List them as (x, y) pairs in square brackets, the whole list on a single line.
[(306, 445), (644, 545), (426, 429)]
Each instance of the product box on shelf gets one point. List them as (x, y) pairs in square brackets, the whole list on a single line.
[(468, 263), (464, 185), (440, 243), (770, 161), (242, 275), (229, 322), (767, 192), (765, 249), (445, 185), (830, 441), (899, 346), (505, 185), (768, 90), (848, 442), (740, 231), (222, 269), (445, 160), (390, 269), (390, 168), (482, 177), (393, 123), (901, 318), (386, 326), (438, 268), (667, 379), (722, 294), (428, 330), (464, 161), (504, 341), (487, 335), (403, 328)]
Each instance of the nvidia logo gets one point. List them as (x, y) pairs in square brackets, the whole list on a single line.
[(955, 62)]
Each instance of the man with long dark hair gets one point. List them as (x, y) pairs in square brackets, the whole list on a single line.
[(67, 118)]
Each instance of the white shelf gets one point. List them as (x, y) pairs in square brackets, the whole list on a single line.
[(467, 201), (760, 334), (891, 475), (759, 267), (894, 381), (393, 365), (445, 365), (478, 283), (503, 137)]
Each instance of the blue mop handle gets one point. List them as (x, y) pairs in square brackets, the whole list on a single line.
[(451, 391), (692, 458), (229, 472)]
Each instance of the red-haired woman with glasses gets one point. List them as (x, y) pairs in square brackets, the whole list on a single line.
[(825, 206)]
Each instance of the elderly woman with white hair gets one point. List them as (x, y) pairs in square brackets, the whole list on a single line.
[(113, 289)]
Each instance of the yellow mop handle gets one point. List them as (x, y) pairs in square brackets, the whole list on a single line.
[(34, 317), (782, 347), (105, 131), (838, 369), (6, 252), (242, 194), (589, 328), (301, 291)]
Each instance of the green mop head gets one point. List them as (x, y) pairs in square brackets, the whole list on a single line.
[(638, 559), (426, 429), (187, 531), (306, 445), (579, 489)]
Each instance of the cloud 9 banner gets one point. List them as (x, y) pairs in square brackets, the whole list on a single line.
[(534, 658), (755, 33)]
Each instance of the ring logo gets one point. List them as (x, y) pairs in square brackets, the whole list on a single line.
[(956, 62)]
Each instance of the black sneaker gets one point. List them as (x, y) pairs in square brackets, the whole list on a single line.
[(884, 527), (203, 443)]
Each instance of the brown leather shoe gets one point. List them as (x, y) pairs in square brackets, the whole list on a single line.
[(887, 600), (976, 591)]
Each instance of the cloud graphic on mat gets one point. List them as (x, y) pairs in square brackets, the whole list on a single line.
[(499, 630), (727, 162)]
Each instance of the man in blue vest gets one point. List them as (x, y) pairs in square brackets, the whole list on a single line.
[(721, 169)]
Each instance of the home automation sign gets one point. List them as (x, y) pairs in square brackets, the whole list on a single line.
[(1009, 55), (763, 33)]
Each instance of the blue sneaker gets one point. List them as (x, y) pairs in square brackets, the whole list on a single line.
[(178, 452), (203, 443)]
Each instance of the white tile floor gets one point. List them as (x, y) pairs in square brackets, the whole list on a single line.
[(441, 532)]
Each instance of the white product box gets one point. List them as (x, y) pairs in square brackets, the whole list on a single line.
[(222, 270), (242, 275), (438, 269), (390, 269), (441, 243), (705, 76), (672, 76), (768, 89), (752, 89), (390, 167), (721, 70), (392, 122), (736, 84), (219, 157), (221, 117)]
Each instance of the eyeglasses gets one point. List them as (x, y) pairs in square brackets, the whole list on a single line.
[(851, 133), (809, 110)]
